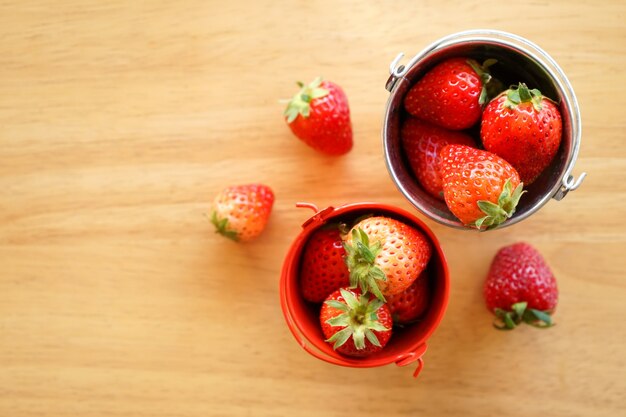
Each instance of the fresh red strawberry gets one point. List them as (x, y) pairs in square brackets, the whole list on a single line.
[(422, 143), (523, 127), (451, 94), (520, 287), (323, 269), (319, 115), (355, 324), (384, 255), (410, 304), (480, 188), (241, 212)]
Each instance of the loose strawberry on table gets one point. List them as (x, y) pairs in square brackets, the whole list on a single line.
[(523, 127), (323, 268), (451, 94), (422, 143), (480, 188), (319, 115), (412, 303), (355, 324), (520, 287), (385, 256), (241, 212)]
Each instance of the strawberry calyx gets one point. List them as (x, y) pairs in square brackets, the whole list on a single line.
[(359, 319), (483, 73), (495, 214), (221, 227), (522, 94), (520, 313), (300, 104), (360, 259)]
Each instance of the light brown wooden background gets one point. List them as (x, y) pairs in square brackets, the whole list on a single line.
[(120, 120)]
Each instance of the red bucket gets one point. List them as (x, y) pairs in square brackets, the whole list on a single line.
[(408, 344)]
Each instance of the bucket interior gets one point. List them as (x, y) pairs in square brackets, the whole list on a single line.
[(513, 66), (403, 340)]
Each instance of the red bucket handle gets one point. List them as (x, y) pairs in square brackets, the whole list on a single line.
[(414, 356)]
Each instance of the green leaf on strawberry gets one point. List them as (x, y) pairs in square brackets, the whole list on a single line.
[(221, 227), (498, 213), (300, 103), (521, 94), (508, 320), (485, 77), (359, 319), (360, 257)]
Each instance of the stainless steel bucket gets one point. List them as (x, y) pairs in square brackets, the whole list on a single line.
[(518, 60)]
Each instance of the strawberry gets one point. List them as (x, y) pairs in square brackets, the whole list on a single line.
[(241, 212), (451, 94), (520, 287), (319, 115), (355, 324), (480, 188), (422, 143), (410, 304), (523, 127), (384, 256), (323, 268)]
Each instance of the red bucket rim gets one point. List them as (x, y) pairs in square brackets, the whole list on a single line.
[(318, 347)]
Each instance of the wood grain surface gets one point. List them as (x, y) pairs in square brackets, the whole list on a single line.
[(120, 120)]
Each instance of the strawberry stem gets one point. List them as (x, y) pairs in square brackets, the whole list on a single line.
[(359, 318), (483, 72), (221, 227), (360, 259), (300, 103), (508, 320), (521, 94), (495, 214)]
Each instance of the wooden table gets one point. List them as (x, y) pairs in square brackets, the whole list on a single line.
[(119, 121)]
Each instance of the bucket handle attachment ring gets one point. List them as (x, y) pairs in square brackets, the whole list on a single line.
[(395, 69), (569, 184)]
